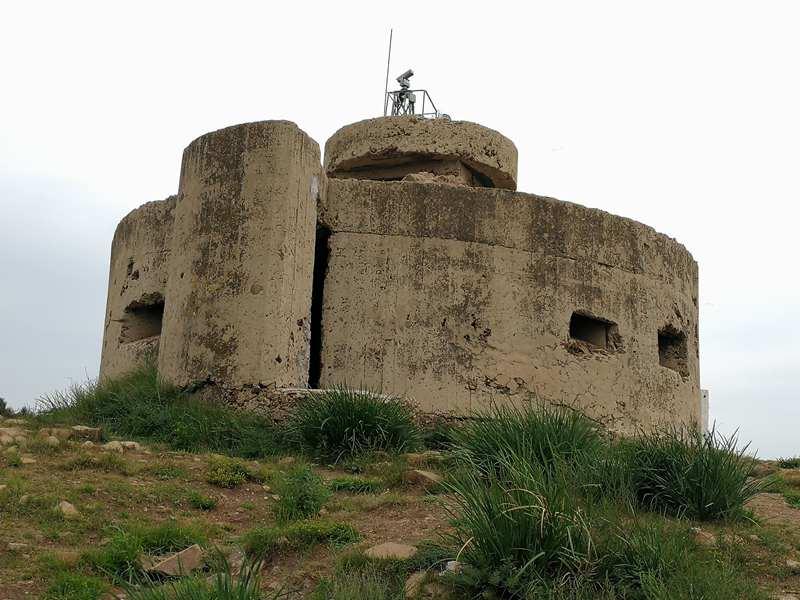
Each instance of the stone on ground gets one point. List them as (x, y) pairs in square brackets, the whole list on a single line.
[(114, 446), (83, 432), (413, 585), (793, 565), (67, 510), (704, 538), (416, 459), (391, 550), (28, 460), (180, 563), (130, 445), (426, 479)]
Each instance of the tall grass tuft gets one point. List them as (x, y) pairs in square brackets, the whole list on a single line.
[(140, 404), (539, 434), (523, 530), (690, 473), (340, 423)]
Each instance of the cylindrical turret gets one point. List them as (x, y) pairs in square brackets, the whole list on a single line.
[(239, 286)]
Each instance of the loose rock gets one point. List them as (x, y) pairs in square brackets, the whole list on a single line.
[(67, 510), (391, 550), (114, 446), (413, 585), (86, 433), (130, 445), (704, 538), (427, 479), (181, 563), (453, 566)]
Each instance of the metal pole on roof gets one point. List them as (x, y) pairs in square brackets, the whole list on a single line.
[(388, 63)]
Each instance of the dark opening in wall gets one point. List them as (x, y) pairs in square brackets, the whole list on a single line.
[(321, 255), (142, 319), (672, 350), (593, 330)]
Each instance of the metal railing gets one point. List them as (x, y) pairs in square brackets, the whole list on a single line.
[(404, 102)]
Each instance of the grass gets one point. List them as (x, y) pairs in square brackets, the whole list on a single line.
[(141, 405), (302, 493), (524, 528), (538, 434), (225, 585), (263, 542), (119, 557), (339, 423), (75, 586), (529, 521), (689, 473), (166, 471), (362, 584), (358, 576), (108, 462), (356, 485), (201, 502)]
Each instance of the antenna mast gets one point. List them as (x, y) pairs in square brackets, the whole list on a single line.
[(388, 63)]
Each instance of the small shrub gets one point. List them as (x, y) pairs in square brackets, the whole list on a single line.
[(339, 423), (75, 586), (264, 541), (690, 473), (301, 494), (789, 463), (201, 502), (355, 485), (538, 434), (226, 472)]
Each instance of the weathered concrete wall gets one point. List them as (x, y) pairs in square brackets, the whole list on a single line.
[(393, 147), (457, 297), (136, 283), (240, 273)]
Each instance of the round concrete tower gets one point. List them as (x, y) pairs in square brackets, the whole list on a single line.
[(458, 296)]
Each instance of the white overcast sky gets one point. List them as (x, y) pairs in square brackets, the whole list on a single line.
[(682, 115)]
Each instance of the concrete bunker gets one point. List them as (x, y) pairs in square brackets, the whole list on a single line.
[(404, 262), (142, 319), (672, 350)]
